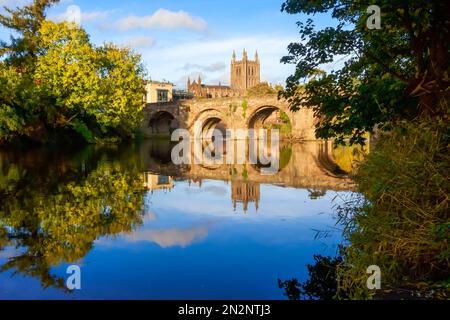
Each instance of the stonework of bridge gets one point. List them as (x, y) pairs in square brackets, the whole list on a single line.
[(229, 113), (302, 165)]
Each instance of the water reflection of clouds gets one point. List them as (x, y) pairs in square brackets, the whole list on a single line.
[(214, 199), (191, 235), (10, 252), (166, 238), (185, 217), (215, 189), (149, 216), (163, 229)]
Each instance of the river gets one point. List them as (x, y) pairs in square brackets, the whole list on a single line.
[(140, 227)]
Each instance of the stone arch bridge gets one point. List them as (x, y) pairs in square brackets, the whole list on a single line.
[(160, 119)]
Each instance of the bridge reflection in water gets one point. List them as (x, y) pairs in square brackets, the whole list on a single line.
[(129, 215), (314, 165)]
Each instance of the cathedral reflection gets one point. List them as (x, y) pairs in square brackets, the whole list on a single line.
[(314, 166), (56, 207), (245, 193)]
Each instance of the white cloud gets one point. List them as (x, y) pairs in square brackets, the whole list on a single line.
[(94, 15), (9, 2), (182, 81), (140, 42), (174, 61), (224, 78), (217, 66), (164, 19), (74, 14), (14, 3)]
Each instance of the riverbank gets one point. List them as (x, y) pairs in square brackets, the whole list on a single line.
[(402, 225)]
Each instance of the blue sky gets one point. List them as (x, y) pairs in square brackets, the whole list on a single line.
[(181, 38)]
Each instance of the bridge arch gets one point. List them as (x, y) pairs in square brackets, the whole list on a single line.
[(211, 119), (270, 116), (162, 122), (236, 113)]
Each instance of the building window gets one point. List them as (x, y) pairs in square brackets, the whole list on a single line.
[(163, 180), (163, 95)]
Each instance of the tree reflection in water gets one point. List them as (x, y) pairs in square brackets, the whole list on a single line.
[(321, 284), (55, 216), (55, 204)]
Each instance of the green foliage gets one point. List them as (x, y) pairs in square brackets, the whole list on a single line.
[(397, 72), (244, 108), (262, 89), (103, 83), (82, 129), (348, 157), (403, 223), (284, 126), (11, 121), (23, 49), (55, 213), (291, 288), (245, 174), (121, 87), (285, 156), (66, 73), (58, 82), (233, 108)]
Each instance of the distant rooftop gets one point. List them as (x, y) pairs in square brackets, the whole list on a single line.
[(159, 82), (215, 86)]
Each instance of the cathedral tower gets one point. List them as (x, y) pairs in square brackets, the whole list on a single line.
[(245, 73)]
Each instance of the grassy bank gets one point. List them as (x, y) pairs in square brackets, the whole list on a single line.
[(402, 224)]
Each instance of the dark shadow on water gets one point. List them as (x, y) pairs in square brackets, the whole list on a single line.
[(321, 283)]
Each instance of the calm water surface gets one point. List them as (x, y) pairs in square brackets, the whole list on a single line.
[(142, 228)]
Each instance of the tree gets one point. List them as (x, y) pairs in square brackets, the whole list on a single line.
[(89, 87), (322, 282), (59, 83), (66, 75), (397, 72), (122, 75), (261, 89), (26, 22), (17, 100), (11, 117)]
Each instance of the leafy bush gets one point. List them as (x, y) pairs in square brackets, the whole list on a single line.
[(261, 89), (11, 122)]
